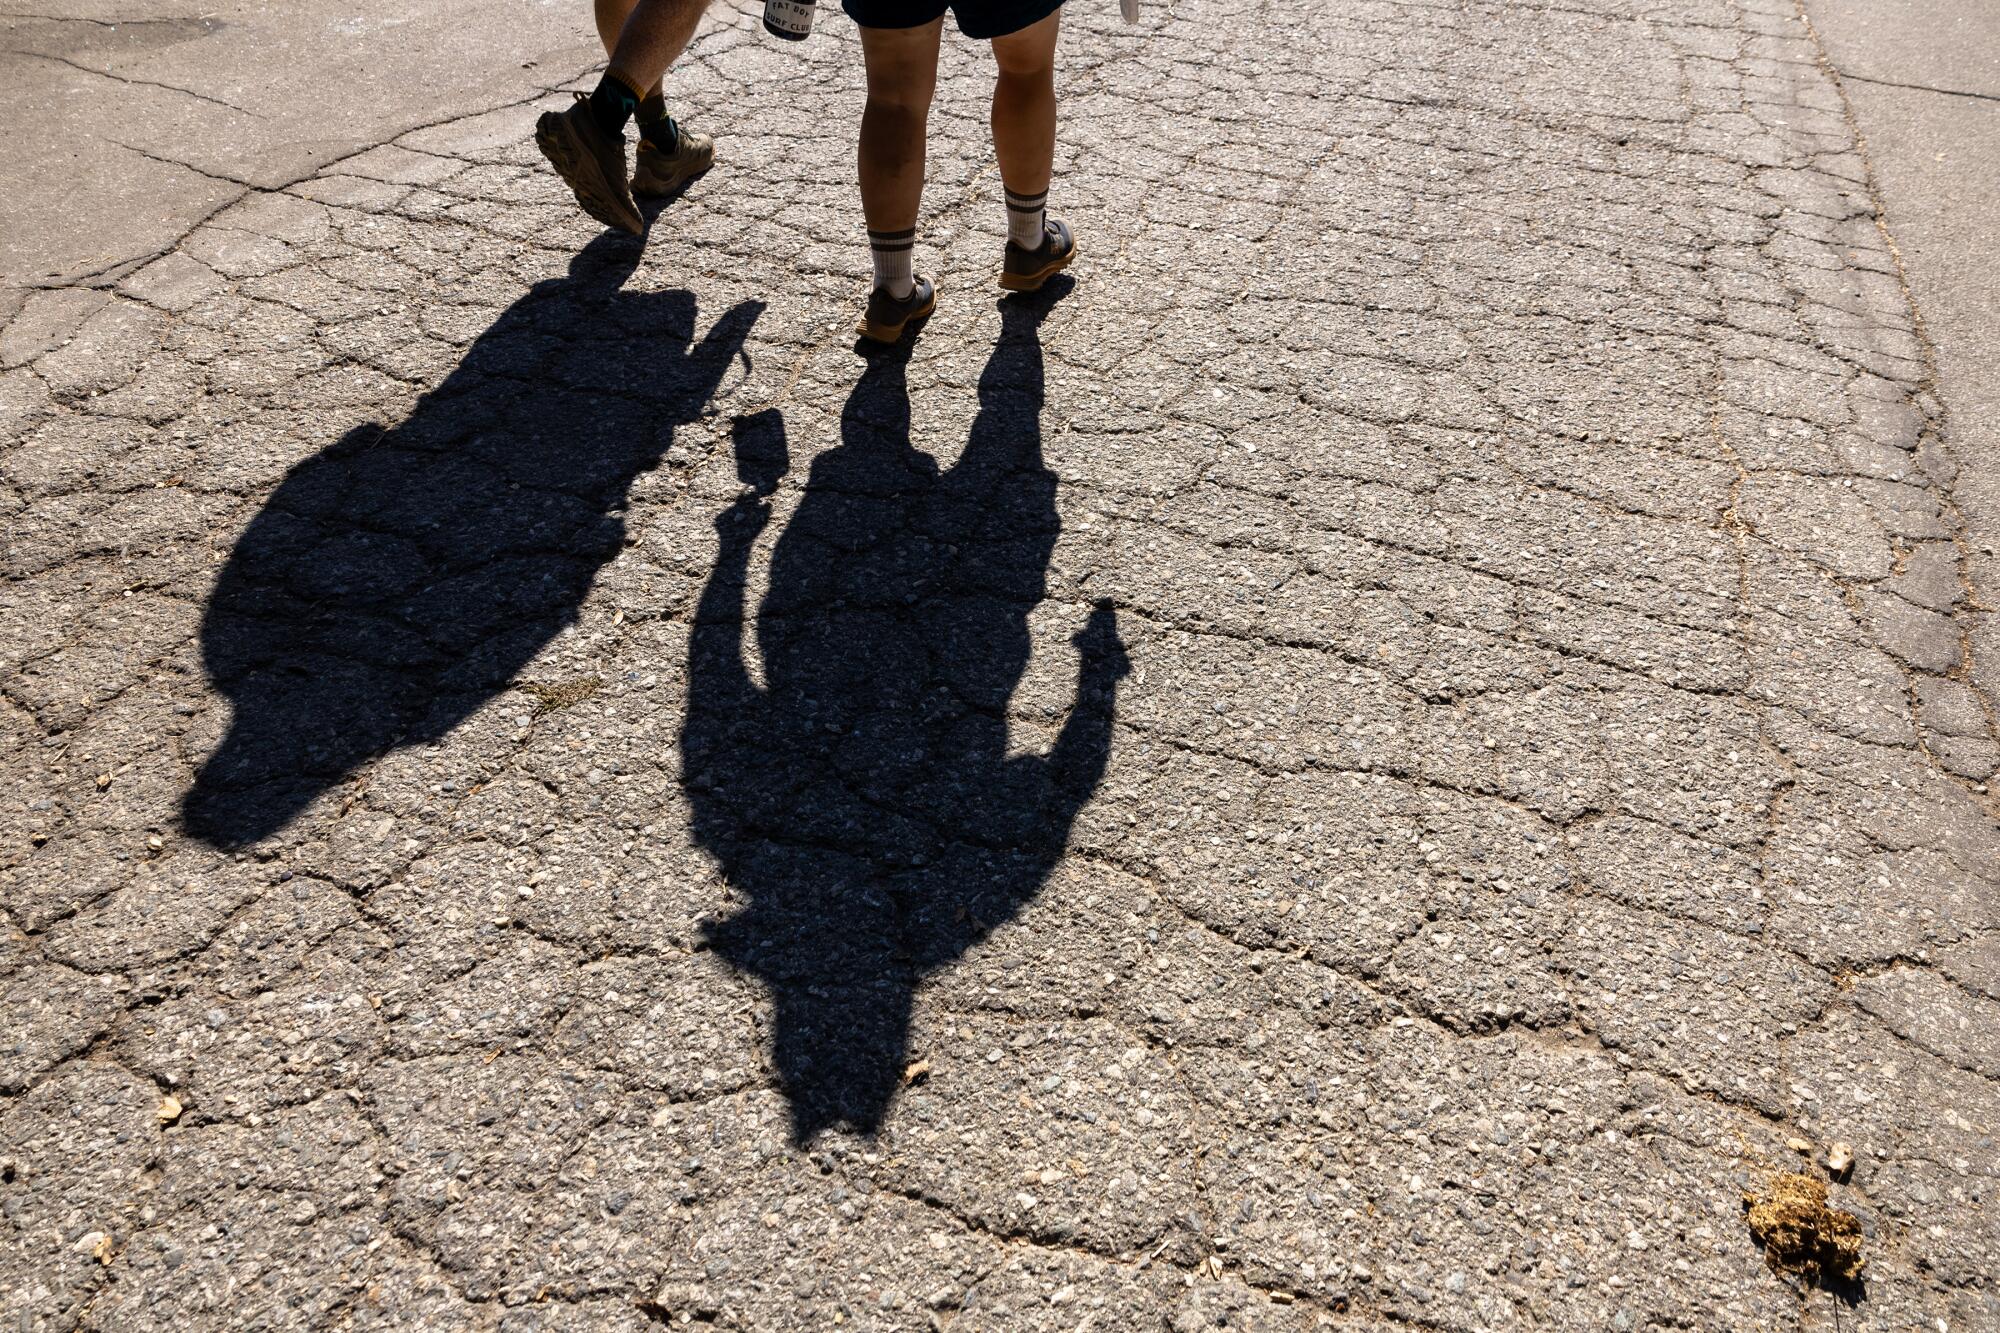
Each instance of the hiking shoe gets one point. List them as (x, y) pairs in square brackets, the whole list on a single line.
[(660, 173), (1025, 270), (887, 316), (591, 163)]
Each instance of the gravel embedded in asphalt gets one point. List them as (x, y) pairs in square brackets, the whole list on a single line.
[(1372, 759)]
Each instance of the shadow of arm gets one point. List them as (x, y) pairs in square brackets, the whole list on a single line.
[(720, 691), (1076, 762), (708, 360)]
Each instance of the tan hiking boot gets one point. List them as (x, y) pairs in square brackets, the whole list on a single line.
[(887, 317), (591, 163), (1025, 270), (661, 173)]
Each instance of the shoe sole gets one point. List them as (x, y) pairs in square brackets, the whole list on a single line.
[(666, 185), (1032, 282), (888, 333), (579, 170)]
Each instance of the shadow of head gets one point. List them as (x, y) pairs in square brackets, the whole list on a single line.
[(400, 578), (865, 799)]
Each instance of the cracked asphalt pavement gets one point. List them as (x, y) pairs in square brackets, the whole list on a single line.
[(1374, 760)]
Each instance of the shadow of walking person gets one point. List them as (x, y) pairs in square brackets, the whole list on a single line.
[(864, 800), (400, 578)]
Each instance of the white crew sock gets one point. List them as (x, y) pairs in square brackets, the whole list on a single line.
[(891, 252), (1024, 219)]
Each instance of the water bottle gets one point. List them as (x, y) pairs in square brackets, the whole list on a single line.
[(789, 19)]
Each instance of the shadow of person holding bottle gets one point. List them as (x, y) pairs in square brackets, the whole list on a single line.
[(400, 578), (864, 800)]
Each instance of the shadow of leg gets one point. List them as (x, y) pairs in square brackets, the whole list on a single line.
[(865, 801)]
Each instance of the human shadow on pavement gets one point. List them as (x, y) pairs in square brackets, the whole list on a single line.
[(863, 799), (401, 578)]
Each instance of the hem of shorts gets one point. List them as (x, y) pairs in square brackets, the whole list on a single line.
[(1027, 19), (1027, 16)]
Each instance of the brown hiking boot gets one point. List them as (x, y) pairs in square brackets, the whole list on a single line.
[(887, 317), (591, 163), (1025, 270), (660, 172)]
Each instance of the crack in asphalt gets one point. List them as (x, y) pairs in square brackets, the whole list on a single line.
[(1318, 570), (1850, 76), (140, 83)]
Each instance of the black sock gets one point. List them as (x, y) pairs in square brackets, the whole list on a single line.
[(612, 105), (656, 127)]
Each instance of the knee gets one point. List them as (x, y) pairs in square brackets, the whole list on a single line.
[(1024, 68), (901, 98)]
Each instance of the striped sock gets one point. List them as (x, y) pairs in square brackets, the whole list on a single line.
[(891, 252), (1024, 219)]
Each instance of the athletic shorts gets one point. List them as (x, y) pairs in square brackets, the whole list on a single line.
[(981, 20)]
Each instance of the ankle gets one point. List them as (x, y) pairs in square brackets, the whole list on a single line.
[(613, 103), (1026, 214), (656, 126), (890, 252)]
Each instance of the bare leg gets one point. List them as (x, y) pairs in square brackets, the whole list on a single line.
[(650, 37), (1024, 106), (611, 16), (902, 75)]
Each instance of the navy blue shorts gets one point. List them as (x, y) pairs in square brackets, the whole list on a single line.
[(981, 20)]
